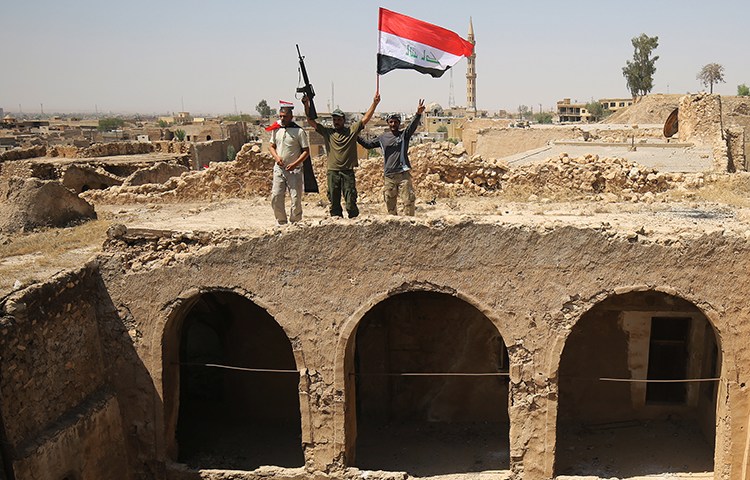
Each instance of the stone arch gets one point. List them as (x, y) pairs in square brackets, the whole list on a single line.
[(642, 333), (259, 412), (407, 308)]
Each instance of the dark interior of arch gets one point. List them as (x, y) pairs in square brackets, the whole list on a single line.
[(623, 429), (430, 425), (231, 419)]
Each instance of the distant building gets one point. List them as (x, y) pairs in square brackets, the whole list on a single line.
[(614, 104), (572, 112), (568, 112), (183, 118)]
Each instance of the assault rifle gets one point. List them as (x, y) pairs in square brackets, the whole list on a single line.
[(307, 88)]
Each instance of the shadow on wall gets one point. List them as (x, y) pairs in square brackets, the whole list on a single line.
[(438, 423), (624, 429), (234, 419)]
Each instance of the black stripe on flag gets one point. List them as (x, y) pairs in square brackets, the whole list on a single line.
[(387, 63)]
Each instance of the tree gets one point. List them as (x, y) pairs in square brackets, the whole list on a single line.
[(231, 153), (523, 112), (263, 109), (743, 90), (179, 134), (596, 110), (710, 74), (639, 72), (543, 117), (109, 124)]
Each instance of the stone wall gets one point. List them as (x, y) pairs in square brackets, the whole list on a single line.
[(60, 415), (701, 122), (533, 285)]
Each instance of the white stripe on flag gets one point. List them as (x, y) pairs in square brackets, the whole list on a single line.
[(415, 52)]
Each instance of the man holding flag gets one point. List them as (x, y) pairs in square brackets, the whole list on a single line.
[(341, 145)]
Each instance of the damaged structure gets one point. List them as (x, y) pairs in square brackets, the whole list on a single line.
[(387, 348)]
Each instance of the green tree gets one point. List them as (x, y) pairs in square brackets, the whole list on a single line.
[(263, 109), (543, 117), (109, 124), (710, 74), (179, 134), (231, 153), (239, 118), (163, 123), (596, 110), (639, 72), (523, 112), (743, 90), (442, 129)]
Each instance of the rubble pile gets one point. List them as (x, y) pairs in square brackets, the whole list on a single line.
[(607, 177), (22, 153), (440, 170), (248, 175)]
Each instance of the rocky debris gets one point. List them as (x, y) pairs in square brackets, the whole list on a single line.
[(159, 173), (440, 170), (248, 175), (31, 203), (146, 249)]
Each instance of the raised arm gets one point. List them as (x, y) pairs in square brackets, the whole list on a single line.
[(371, 111), (415, 121), (310, 121)]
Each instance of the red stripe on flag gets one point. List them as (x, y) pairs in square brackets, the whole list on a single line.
[(416, 30)]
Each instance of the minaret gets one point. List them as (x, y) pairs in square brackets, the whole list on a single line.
[(471, 73)]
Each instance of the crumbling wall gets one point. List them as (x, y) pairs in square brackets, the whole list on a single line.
[(60, 412), (80, 178), (210, 152), (533, 285), (159, 173), (700, 121), (22, 153)]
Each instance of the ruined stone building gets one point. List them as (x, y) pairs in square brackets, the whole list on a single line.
[(368, 348), (525, 341)]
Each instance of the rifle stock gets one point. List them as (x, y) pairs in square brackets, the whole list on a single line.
[(307, 88)]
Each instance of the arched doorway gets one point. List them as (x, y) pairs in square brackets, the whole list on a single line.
[(235, 418), (420, 405), (614, 418)]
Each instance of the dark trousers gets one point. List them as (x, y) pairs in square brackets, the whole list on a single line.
[(342, 182)]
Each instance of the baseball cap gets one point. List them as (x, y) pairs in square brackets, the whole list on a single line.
[(338, 113)]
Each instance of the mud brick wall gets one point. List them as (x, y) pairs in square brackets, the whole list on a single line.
[(54, 397)]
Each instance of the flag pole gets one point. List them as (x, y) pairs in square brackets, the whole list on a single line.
[(377, 84)]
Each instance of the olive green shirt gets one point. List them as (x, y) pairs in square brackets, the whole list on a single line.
[(341, 146)]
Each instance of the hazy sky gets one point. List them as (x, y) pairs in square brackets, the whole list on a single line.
[(156, 56)]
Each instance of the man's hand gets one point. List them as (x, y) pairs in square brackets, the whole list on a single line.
[(376, 99), (305, 101), (420, 108)]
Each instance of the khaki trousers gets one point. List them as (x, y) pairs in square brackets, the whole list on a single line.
[(399, 185), (294, 183)]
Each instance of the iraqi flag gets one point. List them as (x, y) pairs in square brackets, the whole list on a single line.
[(406, 42)]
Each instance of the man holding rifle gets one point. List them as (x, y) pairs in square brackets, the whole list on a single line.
[(341, 145)]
